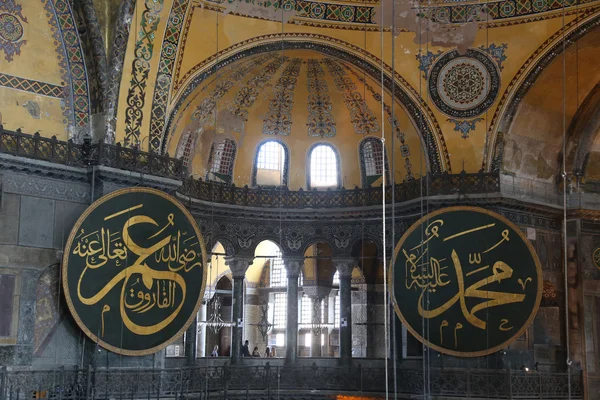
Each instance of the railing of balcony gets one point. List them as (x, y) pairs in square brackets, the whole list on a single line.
[(269, 381), (116, 156)]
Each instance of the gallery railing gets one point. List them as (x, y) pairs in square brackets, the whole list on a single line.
[(116, 156), (86, 153), (271, 382)]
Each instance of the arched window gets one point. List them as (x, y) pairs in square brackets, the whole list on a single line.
[(324, 167), (278, 271), (372, 158), (221, 158), (336, 279), (271, 164), (184, 150)]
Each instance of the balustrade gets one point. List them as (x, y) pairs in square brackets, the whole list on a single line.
[(266, 381)]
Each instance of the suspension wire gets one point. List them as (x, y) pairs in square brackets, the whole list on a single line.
[(393, 188), (383, 210), (565, 177)]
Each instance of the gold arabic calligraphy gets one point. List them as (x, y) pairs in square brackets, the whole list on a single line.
[(427, 273), (162, 289)]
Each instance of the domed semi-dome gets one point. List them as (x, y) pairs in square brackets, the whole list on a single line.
[(299, 98)]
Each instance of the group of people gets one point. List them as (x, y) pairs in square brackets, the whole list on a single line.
[(246, 351), (256, 353)]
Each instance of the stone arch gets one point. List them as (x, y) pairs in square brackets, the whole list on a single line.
[(524, 80), (423, 118)]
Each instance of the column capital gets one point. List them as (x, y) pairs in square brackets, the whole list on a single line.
[(238, 265), (344, 265), (293, 266), (316, 292)]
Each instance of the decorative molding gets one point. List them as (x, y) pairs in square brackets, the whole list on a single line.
[(165, 72), (31, 185), (97, 53), (464, 127), (32, 86), (350, 15), (117, 60), (72, 64), (140, 69), (424, 119)]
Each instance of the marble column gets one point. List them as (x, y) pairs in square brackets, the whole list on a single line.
[(202, 330), (191, 337), (344, 267), (293, 267), (317, 295), (238, 266)]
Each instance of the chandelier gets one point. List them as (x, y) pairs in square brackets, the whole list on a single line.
[(264, 326), (214, 322)]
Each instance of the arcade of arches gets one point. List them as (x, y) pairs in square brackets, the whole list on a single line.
[(305, 137)]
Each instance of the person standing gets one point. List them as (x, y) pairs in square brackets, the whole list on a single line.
[(215, 352), (245, 349), (267, 353)]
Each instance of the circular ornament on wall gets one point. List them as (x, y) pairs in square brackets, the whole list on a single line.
[(134, 271), (466, 281), (11, 28), (464, 86)]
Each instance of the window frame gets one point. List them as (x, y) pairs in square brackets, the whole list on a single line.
[(362, 159), (309, 153), (286, 163), (211, 160)]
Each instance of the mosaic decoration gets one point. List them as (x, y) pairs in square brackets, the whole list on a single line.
[(71, 61), (464, 127), (205, 110), (361, 116), (596, 257), (446, 14), (165, 71), (497, 53), (466, 281), (279, 118), (140, 68), (405, 94), (404, 149), (134, 271), (320, 120), (247, 95), (117, 60), (90, 35), (426, 61), (11, 29), (31, 86), (464, 86)]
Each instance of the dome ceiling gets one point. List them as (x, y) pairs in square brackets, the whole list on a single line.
[(300, 97)]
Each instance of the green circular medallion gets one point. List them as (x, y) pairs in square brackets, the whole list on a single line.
[(466, 281)]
